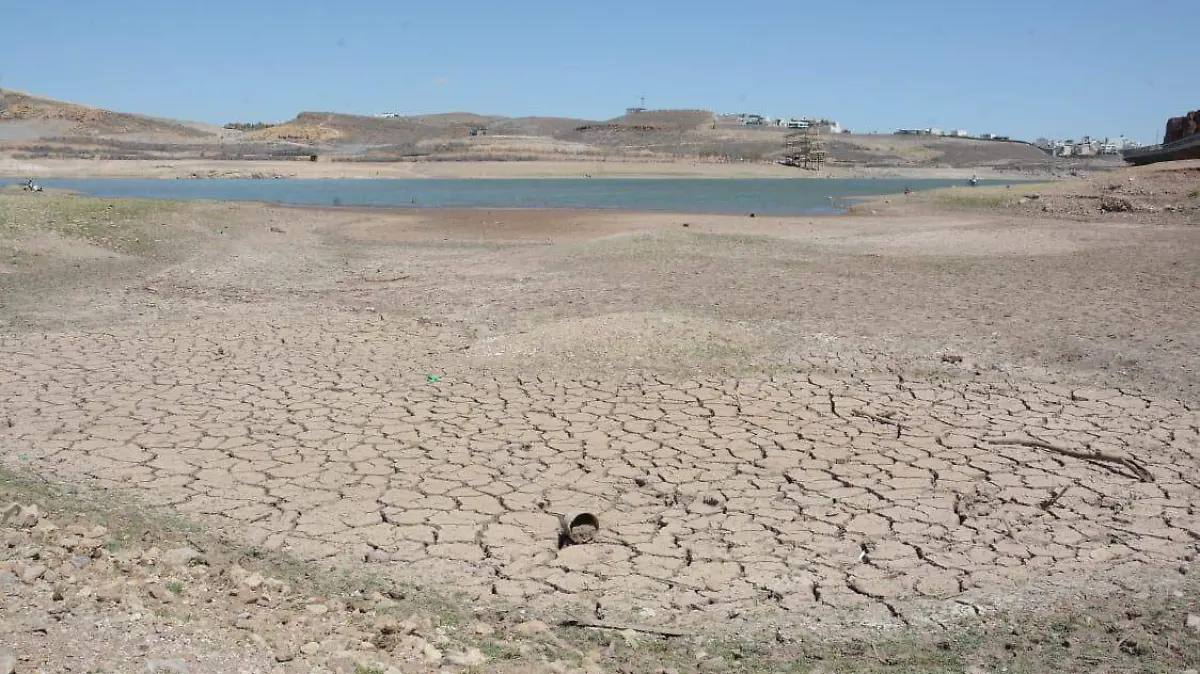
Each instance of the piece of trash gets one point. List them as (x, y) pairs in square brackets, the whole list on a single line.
[(24, 457), (580, 527), (433, 378)]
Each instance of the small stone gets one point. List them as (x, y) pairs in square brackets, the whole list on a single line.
[(20, 517), (33, 572), (182, 557), (1193, 622), (166, 667), (310, 648), (247, 596), (97, 532), (472, 657), (482, 629), (113, 592), (317, 609), (87, 545), (430, 653), (161, 593), (8, 661), (533, 628), (253, 581), (714, 665), (284, 653)]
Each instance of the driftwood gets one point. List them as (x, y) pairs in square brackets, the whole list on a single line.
[(875, 417), (1049, 503), (660, 631), (879, 419), (385, 279), (1129, 463)]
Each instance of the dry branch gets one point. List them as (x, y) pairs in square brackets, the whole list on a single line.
[(661, 631), (1127, 462)]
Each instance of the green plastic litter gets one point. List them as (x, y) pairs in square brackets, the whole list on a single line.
[(432, 378)]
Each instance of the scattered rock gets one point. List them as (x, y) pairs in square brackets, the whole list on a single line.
[(1193, 622), (20, 517), (310, 648), (482, 629), (277, 230), (253, 581), (472, 657), (1114, 204), (285, 653), (182, 557), (317, 609), (951, 358), (713, 665), (8, 661)]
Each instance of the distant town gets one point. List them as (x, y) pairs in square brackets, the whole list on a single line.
[(1087, 146)]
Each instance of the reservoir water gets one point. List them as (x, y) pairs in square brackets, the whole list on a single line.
[(719, 196)]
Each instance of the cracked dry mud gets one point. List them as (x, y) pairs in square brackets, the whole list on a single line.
[(832, 497), (798, 473)]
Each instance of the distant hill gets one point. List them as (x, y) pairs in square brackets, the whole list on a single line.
[(71, 119), (337, 128), (42, 127)]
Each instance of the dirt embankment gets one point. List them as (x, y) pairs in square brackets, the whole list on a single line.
[(1165, 193)]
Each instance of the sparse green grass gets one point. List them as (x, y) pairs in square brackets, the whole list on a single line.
[(175, 587), (121, 225), (1194, 194), (496, 650), (960, 200), (367, 669)]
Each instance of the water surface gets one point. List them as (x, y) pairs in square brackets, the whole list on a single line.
[(721, 196)]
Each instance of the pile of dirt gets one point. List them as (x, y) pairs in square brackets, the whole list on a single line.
[(87, 121)]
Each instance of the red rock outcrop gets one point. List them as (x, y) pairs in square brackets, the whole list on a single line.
[(1182, 127)]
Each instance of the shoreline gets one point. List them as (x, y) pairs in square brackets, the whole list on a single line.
[(202, 169)]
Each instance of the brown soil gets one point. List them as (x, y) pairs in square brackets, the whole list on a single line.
[(82, 120), (797, 434)]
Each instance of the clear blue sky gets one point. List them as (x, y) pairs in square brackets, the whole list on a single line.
[(1056, 68)]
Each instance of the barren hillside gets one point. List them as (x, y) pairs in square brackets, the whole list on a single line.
[(70, 119), (39, 128)]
